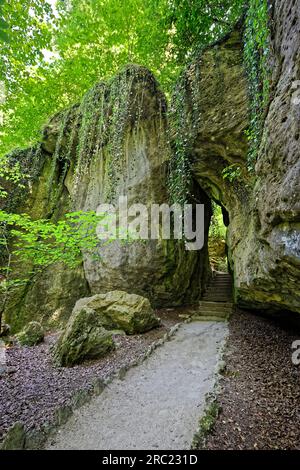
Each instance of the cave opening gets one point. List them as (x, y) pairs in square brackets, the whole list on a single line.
[(217, 245)]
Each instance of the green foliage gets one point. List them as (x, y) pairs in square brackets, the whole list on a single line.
[(200, 22), (256, 59), (10, 173), (91, 40), (4, 37), (54, 57), (232, 172), (180, 175), (206, 424), (42, 242), (216, 240), (217, 228), (52, 60)]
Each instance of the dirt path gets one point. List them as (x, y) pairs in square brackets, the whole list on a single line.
[(158, 404)]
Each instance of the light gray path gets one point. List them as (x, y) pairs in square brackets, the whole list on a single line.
[(158, 404)]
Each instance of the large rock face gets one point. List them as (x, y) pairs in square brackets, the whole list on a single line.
[(263, 212), (114, 143), (270, 273)]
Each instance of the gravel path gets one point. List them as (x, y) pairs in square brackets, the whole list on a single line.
[(158, 404), (261, 386), (33, 389)]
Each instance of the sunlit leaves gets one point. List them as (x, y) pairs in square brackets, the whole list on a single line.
[(42, 242), (93, 40)]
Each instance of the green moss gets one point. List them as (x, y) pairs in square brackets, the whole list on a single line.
[(84, 338), (206, 424), (256, 52), (32, 334)]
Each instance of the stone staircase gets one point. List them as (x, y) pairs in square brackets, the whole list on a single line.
[(216, 304)]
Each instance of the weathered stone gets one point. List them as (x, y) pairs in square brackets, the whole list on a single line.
[(116, 142), (84, 338), (263, 211), (267, 260), (32, 334), (117, 309), (81, 164)]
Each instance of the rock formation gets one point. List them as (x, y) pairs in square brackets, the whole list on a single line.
[(84, 338), (114, 143), (117, 142), (88, 333), (262, 211), (122, 311)]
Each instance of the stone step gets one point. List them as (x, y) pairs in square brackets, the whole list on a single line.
[(217, 294), (217, 299), (207, 318), (215, 309), (212, 314), (221, 283), (218, 289), (220, 306)]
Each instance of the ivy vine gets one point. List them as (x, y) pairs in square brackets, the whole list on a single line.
[(256, 53)]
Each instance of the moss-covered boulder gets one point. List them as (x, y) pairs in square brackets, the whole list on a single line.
[(119, 310), (32, 334), (84, 338)]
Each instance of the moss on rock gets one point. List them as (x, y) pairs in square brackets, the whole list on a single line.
[(120, 310), (32, 334), (83, 338)]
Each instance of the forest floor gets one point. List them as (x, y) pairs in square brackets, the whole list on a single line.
[(260, 398), (33, 389)]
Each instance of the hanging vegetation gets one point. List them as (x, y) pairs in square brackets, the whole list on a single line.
[(256, 53)]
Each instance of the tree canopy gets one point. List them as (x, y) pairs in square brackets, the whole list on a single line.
[(52, 52)]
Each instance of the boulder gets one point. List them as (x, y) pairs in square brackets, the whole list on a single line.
[(119, 310), (84, 338), (32, 334)]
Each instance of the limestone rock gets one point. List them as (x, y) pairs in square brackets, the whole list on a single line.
[(263, 211), (84, 338), (32, 334), (119, 310), (81, 164)]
